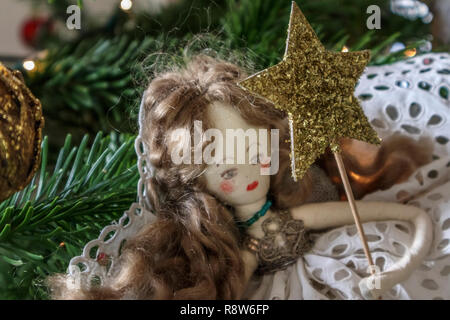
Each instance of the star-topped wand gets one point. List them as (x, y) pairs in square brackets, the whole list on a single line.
[(315, 87)]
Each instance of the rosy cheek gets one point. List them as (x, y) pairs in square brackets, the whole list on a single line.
[(226, 186)]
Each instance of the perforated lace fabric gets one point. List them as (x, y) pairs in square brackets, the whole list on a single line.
[(411, 97)]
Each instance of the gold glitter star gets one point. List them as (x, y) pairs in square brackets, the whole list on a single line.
[(315, 87)]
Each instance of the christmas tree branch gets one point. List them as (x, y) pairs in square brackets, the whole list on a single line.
[(47, 223)]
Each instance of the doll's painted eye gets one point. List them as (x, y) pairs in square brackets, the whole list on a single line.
[(228, 174)]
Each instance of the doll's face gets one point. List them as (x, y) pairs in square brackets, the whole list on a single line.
[(238, 183)]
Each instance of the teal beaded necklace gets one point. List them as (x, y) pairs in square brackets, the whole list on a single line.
[(255, 217)]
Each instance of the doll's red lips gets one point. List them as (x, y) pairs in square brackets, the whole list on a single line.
[(252, 186)]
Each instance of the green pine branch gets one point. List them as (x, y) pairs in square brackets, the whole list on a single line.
[(43, 226), (93, 78)]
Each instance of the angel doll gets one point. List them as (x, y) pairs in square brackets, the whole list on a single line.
[(220, 224)]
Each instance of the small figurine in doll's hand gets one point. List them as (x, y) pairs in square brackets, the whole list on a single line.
[(218, 223)]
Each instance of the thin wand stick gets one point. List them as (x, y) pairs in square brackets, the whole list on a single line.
[(351, 201)]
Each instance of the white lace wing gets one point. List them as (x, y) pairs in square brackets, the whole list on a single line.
[(411, 97), (100, 258)]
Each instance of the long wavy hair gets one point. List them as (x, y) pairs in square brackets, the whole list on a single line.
[(191, 251)]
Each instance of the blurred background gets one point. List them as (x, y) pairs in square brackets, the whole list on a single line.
[(90, 80)]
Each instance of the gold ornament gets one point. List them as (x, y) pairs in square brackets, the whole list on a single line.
[(315, 87), (21, 123)]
